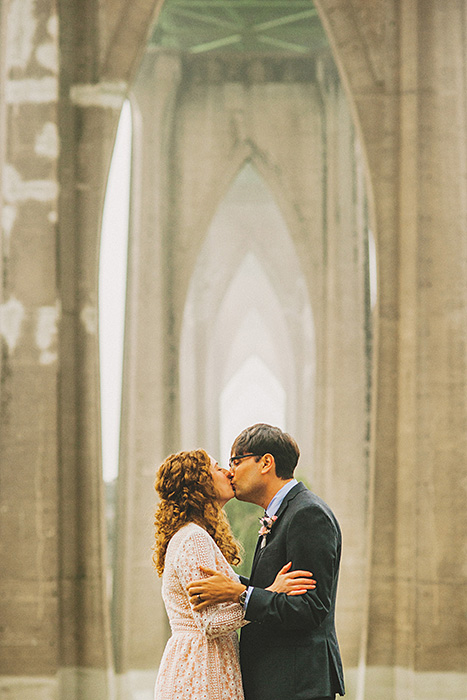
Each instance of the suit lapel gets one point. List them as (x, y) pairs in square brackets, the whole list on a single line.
[(257, 555), (291, 494)]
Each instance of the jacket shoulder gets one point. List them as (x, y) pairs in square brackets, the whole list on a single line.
[(305, 502)]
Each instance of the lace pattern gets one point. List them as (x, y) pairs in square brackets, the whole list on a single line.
[(200, 661)]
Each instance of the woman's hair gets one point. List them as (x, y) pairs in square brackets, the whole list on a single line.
[(187, 495)]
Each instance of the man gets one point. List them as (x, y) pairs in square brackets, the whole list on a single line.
[(290, 649)]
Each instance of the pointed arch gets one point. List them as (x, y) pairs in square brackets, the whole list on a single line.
[(239, 276), (112, 290), (252, 395)]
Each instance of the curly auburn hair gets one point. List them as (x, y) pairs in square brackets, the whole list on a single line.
[(187, 495)]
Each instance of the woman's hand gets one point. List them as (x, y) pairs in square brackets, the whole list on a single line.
[(216, 588), (292, 582)]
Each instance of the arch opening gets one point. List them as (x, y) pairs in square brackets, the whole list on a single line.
[(112, 304), (245, 298)]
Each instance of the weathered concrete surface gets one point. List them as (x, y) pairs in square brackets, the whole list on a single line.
[(29, 315), (65, 68), (55, 637), (148, 422), (406, 78)]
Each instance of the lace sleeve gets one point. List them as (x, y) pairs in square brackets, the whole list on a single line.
[(198, 550)]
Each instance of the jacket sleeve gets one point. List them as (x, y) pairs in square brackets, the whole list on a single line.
[(313, 543), (198, 550)]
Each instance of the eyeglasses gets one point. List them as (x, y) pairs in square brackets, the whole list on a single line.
[(235, 461)]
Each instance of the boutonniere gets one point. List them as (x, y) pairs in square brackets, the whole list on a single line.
[(266, 525)]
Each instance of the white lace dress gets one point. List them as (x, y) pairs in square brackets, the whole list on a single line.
[(200, 661)]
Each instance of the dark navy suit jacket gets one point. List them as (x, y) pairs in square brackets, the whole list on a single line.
[(289, 651)]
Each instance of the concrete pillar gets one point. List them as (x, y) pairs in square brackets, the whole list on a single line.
[(57, 128), (140, 624), (365, 50), (344, 374), (94, 84), (29, 317), (430, 620), (406, 77), (88, 120)]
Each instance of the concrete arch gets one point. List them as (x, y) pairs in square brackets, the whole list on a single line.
[(253, 394), (412, 127), (214, 277), (174, 234), (234, 240), (235, 339), (249, 150)]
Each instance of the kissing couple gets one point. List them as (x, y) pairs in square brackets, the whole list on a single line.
[(288, 646)]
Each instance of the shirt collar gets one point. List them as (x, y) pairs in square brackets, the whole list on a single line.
[(276, 501)]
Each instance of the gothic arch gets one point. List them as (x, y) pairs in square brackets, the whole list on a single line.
[(215, 280)]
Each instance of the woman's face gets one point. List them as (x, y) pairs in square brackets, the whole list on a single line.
[(222, 485)]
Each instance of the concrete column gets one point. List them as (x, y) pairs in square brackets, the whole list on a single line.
[(431, 577), (406, 78), (3, 134), (342, 464), (29, 315), (140, 624), (56, 132), (365, 48), (85, 623)]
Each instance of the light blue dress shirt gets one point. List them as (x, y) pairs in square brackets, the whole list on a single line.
[(271, 510)]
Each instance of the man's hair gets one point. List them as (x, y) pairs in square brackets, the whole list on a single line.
[(261, 439)]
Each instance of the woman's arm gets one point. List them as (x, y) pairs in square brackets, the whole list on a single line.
[(216, 587), (295, 582), (198, 551)]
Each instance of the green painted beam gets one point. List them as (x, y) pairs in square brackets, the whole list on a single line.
[(288, 19), (248, 4), (238, 25), (284, 45), (218, 44), (205, 19)]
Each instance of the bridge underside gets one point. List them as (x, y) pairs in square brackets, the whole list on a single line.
[(276, 144)]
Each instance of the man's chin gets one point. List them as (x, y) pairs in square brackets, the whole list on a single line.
[(240, 497)]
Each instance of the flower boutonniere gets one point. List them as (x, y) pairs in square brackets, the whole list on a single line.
[(266, 525)]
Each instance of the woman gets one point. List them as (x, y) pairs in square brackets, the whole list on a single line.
[(200, 661)]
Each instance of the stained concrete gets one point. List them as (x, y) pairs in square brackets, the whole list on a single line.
[(65, 69)]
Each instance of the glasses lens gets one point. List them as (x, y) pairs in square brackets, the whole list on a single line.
[(235, 461)]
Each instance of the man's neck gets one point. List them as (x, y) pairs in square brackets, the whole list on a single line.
[(271, 491)]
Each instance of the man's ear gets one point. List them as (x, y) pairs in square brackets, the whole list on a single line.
[(269, 464)]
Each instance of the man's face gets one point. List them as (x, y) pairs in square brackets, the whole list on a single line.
[(245, 476)]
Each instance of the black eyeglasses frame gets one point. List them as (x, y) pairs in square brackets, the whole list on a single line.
[(232, 460)]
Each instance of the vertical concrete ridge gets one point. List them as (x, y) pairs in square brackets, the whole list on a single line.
[(86, 684), (29, 687), (389, 683)]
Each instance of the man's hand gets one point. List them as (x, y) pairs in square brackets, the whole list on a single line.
[(217, 588), (292, 582)]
